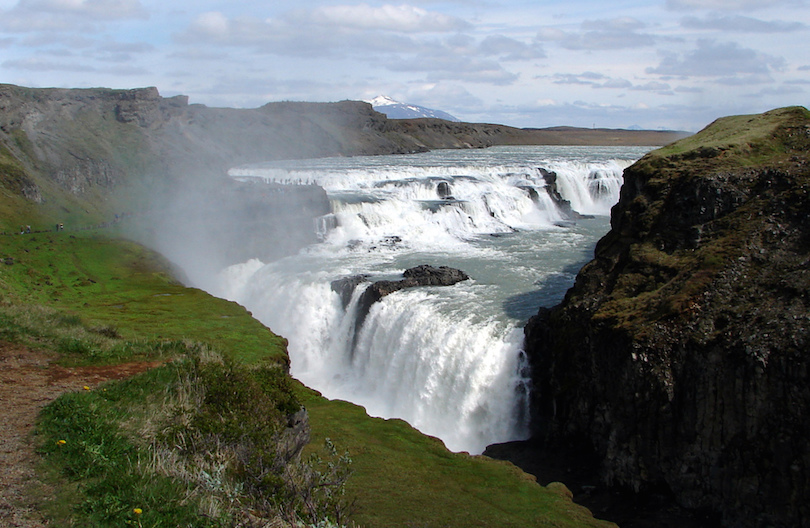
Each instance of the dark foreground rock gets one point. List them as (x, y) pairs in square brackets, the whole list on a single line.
[(577, 466), (680, 356)]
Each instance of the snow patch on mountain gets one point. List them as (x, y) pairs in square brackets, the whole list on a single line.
[(397, 110)]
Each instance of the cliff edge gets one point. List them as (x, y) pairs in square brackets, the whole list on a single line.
[(681, 353)]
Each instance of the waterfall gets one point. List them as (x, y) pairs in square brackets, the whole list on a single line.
[(448, 360)]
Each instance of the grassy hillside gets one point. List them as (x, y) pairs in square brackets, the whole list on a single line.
[(94, 299)]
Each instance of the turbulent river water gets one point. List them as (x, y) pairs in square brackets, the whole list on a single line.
[(448, 360)]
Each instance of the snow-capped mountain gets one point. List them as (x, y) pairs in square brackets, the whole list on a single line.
[(397, 110)]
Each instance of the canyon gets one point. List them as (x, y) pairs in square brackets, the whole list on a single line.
[(679, 357)]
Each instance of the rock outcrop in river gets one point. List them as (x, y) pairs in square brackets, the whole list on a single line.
[(682, 354), (422, 275)]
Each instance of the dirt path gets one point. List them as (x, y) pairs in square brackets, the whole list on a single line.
[(28, 381)]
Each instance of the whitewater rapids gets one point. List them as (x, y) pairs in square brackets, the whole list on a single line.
[(448, 360)]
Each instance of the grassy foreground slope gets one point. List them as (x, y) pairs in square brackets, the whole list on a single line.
[(99, 300)]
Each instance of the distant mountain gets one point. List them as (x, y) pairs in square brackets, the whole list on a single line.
[(396, 110)]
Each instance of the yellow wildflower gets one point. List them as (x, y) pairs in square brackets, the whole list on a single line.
[(61, 442), (138, 511), (86, 387)]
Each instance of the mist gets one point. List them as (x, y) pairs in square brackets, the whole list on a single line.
[(207, 227)]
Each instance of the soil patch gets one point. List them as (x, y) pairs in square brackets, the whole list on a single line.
[(29, 380)]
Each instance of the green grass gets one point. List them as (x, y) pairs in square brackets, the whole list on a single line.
[(745, 140), (119, 285), (403, 478), (197, 442), (80, 434)]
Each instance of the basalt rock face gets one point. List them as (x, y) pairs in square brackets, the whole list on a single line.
[(682, 352)]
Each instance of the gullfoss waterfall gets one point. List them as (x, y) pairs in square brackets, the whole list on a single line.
[(447, 359)]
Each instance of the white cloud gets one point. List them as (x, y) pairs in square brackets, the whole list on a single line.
[(616, 84), (712, 58), (606, 34), (654, 86), (587, 78), (740, 23), (67, 63), (600, 81), (403, 18), (308, 33), (40, 64), (625, 23), (745, 80), (213, 24), (549, 34), (608, 40), (689, 89), (386, 40), (96, 9), (725, 5), (780, 90), (509, 49), (68, 15), (448, 68)]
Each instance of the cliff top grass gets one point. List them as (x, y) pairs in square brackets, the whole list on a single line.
[(99, 300), (736, 141), (402, 478)]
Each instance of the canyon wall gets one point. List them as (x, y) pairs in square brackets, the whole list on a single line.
[(681, 353)]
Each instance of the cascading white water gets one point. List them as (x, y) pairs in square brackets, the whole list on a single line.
[(446, 359)]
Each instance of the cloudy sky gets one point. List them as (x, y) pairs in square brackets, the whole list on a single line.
[(674, 64)]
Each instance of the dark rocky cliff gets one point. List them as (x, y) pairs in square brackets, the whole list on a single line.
[(681, 354)]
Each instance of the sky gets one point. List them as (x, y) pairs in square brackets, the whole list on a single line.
[(660, 64)]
